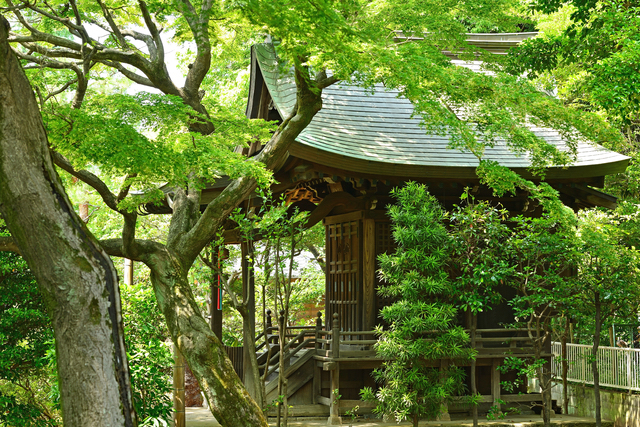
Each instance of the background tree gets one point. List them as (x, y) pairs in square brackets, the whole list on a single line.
[(542, 251), (608, 278), (422, 326), (587, 53), (480, 265)]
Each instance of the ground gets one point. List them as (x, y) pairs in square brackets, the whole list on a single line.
[(201, 417)]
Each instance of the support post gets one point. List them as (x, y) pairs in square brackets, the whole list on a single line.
[(334, 409), (495, 383), (369, 274), (317, 372), (179, 419), (267, 331), (318, 330), (444, 416), (612, 339), (215, 312), (571, 334), (248, 334), (335, 337), (128, 272)]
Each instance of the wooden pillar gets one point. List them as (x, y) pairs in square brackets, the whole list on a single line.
[(369, 274), (334, 409), (317, 371), (128, 272), (335, 337), (84, 211), (612, 339), (215, 310), (179, 419), (444, 416), (571, 334), (495, 383), (248, 294)]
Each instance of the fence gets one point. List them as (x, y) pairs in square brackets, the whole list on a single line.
[(618, 367)]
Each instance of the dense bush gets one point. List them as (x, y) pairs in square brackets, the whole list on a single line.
[(28, 389), (150, 358)]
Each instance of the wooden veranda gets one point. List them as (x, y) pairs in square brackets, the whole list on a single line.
[(323, 357)]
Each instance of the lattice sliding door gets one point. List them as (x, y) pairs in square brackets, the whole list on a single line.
[(344, 282)]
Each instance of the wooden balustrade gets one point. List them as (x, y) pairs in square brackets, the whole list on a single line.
[(332, 343)]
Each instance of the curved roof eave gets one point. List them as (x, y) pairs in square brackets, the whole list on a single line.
[(376, 134)]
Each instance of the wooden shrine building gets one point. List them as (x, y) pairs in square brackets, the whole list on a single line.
[(341, 169)]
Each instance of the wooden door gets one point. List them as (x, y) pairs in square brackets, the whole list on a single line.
[(344, 270)]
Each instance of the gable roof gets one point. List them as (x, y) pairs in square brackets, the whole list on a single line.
[(375, 133)]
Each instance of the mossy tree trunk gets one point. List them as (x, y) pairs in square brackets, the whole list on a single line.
[(75, 275)]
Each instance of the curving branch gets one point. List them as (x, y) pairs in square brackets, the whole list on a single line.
[(65, 21), (199, 25), (126, 186), (49, 53), (136, 78), (115, 30), (58, 91), (322, 81), (156, 49), (88, 178), (81, 79)]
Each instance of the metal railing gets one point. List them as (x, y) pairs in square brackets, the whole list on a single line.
[(618, 367)]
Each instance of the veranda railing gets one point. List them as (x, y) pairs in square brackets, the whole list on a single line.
[(618, 367)]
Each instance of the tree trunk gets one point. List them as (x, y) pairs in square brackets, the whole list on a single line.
[(282, 380), (228, 400), (76, 277), (544, 377), (253, 360), (250, 361), (594, 360)]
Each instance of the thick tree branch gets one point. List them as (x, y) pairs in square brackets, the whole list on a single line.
[(126, 186), (199, 25), (81, 79), (84, 35), (136, 78), (50, 53), (129, 246), (322, 81), (309, 102), (316, 255), (157, 52), (115, 30), (145, 248)]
